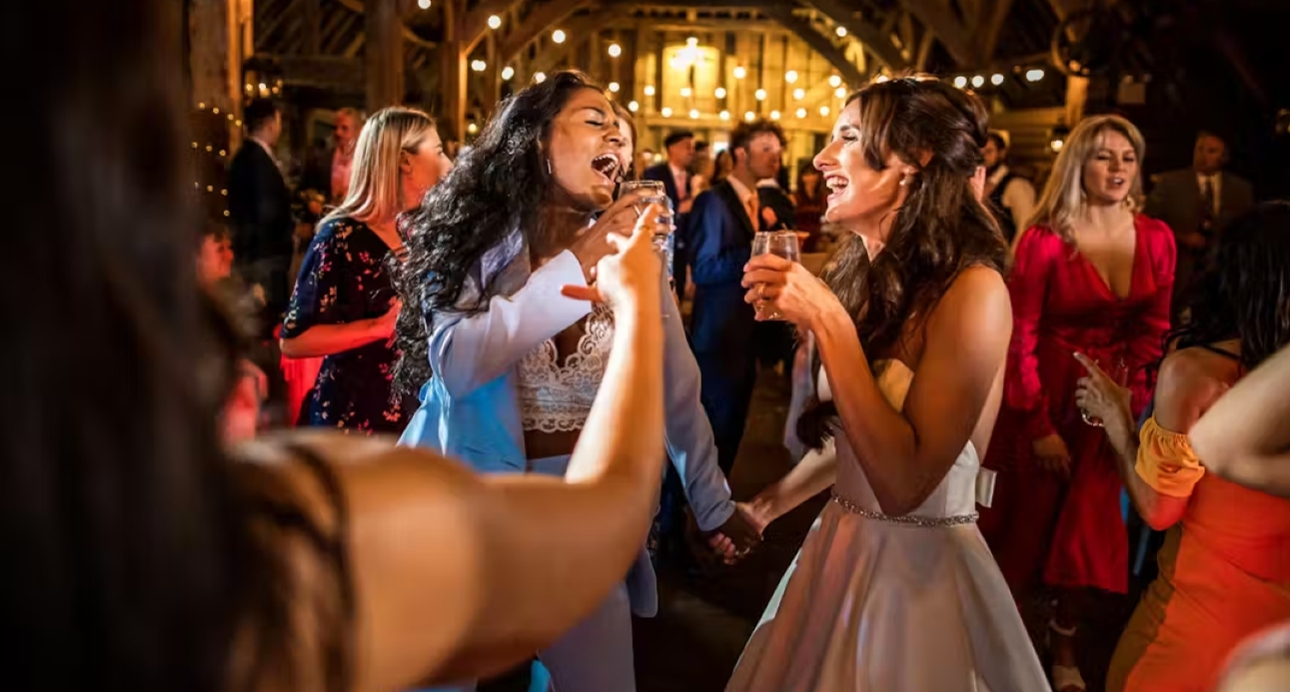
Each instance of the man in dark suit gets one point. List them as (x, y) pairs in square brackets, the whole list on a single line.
[(674, 173), (259, 206), (1196, 202), (722, 225)]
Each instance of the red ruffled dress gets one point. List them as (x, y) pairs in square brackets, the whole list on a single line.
[(1070, 533)]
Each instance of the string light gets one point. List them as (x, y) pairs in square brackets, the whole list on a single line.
[(686, 92), (223, 152), (750, 116), (649, 90), (801, 113), (824, 111), (423, 4), (720, 92), (996, 79), (472, 128), (633, 106), (615, 50), (694, 114), (614, 87), (978, 81), (835, 81), (960, 81), (507, 73), (202, 105), (494, 22), (740, 72), (799, 94), (558, 36), (478, 65), (539, 77), (666, 112), (724, 115), (842, 32), (841, 92), (790, 76), (774, 115), (215, 111), (760, 94), (1034, 75)]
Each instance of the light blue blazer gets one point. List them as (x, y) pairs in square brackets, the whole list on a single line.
[(470, 410)]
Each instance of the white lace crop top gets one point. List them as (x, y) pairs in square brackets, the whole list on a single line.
[(557, 398)]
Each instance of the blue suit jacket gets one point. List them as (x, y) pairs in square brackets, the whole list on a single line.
[(721, 236), (469, 408)]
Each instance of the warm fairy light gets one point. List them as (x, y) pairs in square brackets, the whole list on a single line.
[(801, 112), (209, 147), (996, 79), (539, 77), (740, 72), (760, 94), (774, 115), (223, 152), (478, 65), (842, 32), (202, 105), (215, 111), (615, 50), (720, 92), (194, 145), (978, 81), (790, 76), (687, 92), (960, 81), (799, 94), (558, 36), (614, 87), (472, 128), (423, 4), (494, 22), (824, 111), (694, 114), (507, 72), (835, 81), (649, 90), (841, 92), (724, 115), (633, 106), (1034, 75), (750, 116), (666, 112)]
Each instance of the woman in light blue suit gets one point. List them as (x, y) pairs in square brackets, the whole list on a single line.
[(510, 365)]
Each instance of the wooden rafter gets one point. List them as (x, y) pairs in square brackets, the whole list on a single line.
[(992, 26), (937, 16), (875, 39), (540, 19), (817, 41), (476, 22)]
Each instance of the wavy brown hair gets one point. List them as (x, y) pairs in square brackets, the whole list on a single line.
[(939, 231)]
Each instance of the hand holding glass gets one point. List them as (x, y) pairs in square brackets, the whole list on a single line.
[(781, 244)]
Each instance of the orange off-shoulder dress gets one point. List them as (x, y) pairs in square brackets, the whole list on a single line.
[(1224, 574)]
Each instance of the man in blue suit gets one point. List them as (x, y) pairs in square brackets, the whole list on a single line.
[(674, 173), (721, 229)]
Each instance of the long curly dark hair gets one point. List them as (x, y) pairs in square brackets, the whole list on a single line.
[(1244, 291), (940, 230), (499, 185)]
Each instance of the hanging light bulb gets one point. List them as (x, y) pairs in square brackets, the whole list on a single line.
[(835, 81), (842, 32), (760, 94), (633, 106), (724, 115), (799, 94), (649, 90), (472, 128), (494, 22), (774, 115), (686, 92), (740, 72), (558, 36), (824, 111), (790, 76), (841, 92), (614, 87), (750, 116), (996, 79), (978, 81), (478, 65), (615, 50), (507, 73), (539, 77), (694, 114), (423, 4), (720, 92), (1034, 75), (666, 112), (801, 113), (960, 81)]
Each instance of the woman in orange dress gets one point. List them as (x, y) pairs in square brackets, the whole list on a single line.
[(1225, 564), (1090, 275)]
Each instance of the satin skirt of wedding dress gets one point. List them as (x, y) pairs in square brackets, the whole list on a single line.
[(880, 604)]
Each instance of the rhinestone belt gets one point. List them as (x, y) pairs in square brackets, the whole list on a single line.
[(907, 519)]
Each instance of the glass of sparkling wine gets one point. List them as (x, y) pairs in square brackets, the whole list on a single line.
[(655, 193), (781, 244), (1119, 373)]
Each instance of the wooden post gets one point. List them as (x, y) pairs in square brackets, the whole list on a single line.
[(311, 14), (383, 54), (453, 70), (1076, 97), (215, 31)]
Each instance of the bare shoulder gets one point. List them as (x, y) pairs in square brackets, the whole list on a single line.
[(1190, 381), (977, 293)]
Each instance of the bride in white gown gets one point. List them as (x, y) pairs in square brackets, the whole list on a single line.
[(894, 589)]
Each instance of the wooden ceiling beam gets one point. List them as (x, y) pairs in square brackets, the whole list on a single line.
[(936, 15), (874, 39), (817, 41), (989, 29), (539, 20)]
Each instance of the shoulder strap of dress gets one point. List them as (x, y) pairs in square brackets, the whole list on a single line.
[(1220, 351)]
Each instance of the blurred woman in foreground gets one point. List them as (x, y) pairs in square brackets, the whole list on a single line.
[(140, 553)]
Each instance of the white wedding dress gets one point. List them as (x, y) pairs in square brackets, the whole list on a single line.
[(892, 604)]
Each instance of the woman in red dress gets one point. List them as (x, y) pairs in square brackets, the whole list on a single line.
[(1091, 275)]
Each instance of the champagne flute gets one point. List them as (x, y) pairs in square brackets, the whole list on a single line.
[(1119, 373), (781, 244), (655, 193)]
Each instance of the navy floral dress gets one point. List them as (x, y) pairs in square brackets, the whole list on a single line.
[(343, 278)]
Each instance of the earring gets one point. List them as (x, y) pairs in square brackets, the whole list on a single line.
[(905, 180), (548, 166)]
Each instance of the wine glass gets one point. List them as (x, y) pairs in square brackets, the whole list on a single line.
[(655, 194), (781, 244), (1119, 373)]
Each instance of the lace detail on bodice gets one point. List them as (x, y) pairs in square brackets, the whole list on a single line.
[(555, 397)]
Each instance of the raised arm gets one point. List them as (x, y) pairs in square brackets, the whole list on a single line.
[(1244, 437)]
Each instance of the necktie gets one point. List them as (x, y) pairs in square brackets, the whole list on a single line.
[(1206, 202), (750, 205)]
